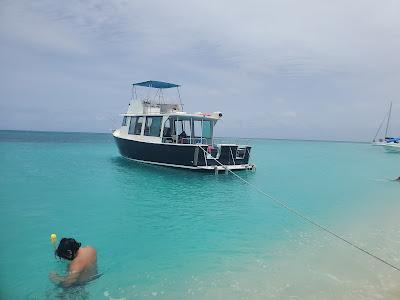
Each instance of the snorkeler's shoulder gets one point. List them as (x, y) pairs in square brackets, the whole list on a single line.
[(89, 250), (87, 254)]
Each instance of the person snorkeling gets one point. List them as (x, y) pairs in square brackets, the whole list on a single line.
[(82, 267)]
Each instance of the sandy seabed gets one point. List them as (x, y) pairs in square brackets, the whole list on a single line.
[(310, 265), (314, 265)]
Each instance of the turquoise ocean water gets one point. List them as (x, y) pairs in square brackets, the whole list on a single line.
[(176, 234)]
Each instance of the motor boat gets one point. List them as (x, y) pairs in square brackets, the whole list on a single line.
[(156, 132)]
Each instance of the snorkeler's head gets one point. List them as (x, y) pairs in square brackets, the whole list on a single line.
[(67, 248)]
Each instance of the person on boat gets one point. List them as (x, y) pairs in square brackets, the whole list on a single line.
[(167, 132), (83, 266), (181, 137)]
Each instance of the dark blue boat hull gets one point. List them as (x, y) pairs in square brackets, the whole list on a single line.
[(189, 156)]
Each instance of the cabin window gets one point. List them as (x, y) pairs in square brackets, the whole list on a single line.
[(124, 121), (135, 126), (187, 127), (183, 131), (207, 129), (153, 126), (132, 125), (197, 132), (167, 131), (138, 126)]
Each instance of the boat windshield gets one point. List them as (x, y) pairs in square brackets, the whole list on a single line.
[(188, 130)]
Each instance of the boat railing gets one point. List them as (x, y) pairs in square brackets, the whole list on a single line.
[(193, 140), (236, 141), (186, 140)]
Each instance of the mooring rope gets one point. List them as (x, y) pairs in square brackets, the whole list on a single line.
[(306, 218)]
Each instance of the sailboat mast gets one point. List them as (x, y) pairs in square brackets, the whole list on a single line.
[(388, 120)]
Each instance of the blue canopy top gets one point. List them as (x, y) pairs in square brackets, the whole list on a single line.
[(156, 84)]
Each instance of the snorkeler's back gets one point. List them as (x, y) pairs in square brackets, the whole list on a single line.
[(85, 258), (84, 264)]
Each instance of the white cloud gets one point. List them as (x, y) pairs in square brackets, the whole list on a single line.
[(21, 25), (289, 114)]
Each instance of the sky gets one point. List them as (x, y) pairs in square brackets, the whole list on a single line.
[(311, 69)]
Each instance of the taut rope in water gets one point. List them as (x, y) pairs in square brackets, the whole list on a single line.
[(304, 217)]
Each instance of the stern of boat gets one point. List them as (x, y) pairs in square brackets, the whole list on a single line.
[(223, 157)]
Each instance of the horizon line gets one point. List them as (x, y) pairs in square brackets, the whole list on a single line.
[(230, 137)]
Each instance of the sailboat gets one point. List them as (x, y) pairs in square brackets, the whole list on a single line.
[(387, 139)]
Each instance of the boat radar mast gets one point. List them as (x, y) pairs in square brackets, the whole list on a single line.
[(159, 86)]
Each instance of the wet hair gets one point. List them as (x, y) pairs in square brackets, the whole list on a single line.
[(67, 248)]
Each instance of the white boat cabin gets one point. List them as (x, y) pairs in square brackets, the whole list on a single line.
[(157, 122)]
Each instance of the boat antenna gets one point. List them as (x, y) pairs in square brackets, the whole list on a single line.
[(157, 96), (179, 96), (148, 93), (162, 97), (388, 120)]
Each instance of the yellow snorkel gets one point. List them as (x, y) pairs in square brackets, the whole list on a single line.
[(53, 239)]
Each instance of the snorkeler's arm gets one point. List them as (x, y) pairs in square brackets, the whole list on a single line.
[(53, 276), (73, 274), (70, 279), (75, 268), (64, 281)]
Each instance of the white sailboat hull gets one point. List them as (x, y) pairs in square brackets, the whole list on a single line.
[(392, 147), (379, 143)]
